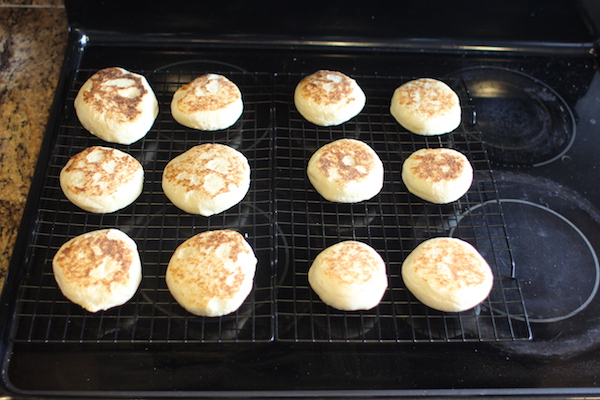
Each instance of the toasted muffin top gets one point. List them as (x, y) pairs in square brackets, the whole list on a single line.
[(99, 171), (439, 164), (450, 264), (211, 264), (115, 93), (350, 263), (327, 87), (427, 97), (209, 92), (209, 168), (346, 160), (96, 259)]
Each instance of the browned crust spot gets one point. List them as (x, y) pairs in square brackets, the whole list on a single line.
[(227, 93), (312, 88), (462, 266), (334, 155), (350, 263), (427, 96), (196, 165), (437, 166), (80, 257), (97, 181), (205, 270), (106, 99)]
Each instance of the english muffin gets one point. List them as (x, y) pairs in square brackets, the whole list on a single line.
[(346, 171), (349, 276), (98, 270), (426, 107), (116, 105), (210, 102), (437, 175), (328, 98), (207, 179), (102, 179), (212, 273), (447, 274)]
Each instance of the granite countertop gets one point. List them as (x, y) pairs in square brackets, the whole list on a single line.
[(33, 38)]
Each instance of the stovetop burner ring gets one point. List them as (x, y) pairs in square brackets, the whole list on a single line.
[(529, 243), (524, 122)]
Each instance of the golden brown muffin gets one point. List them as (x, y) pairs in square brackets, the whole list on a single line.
[(437, 175), (212, 273), (210, 102), (116, 105), (447, 274), (349, 276), (346, 171), (328, 98), (102, 179), (426, 107), (98, 270), (207, 179)]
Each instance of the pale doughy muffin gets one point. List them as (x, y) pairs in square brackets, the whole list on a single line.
[(447, 274), (210, 102), (116, 105), (212, 273), (346, 171), (426, 107), (207, 179), (328, 98), (98, 270), (102, 179), (349, 276), (437, 175)]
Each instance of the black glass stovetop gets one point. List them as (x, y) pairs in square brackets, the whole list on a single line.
[(530, 128)]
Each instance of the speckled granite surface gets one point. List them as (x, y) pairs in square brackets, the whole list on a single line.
[(33, 36)]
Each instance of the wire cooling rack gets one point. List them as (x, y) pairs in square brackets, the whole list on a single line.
[(282, 217)]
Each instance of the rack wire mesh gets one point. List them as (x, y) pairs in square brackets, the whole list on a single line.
[(284, 219)]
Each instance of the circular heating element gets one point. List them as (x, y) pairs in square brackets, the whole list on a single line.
[(555, 263), (523, 121), (552, 236)]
